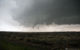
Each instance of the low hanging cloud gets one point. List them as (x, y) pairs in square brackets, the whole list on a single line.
[(55, 28), (37, 16), (49, 28), (49, 11)]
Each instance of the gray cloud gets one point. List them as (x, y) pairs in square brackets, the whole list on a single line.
[(45, 15), (7, 23), (50, 11)]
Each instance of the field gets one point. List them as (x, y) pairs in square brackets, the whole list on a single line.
[(39, 40)]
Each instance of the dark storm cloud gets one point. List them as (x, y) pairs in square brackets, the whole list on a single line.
[(51, 11)]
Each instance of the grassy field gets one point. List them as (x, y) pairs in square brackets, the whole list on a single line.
[(11, 46), (39, 40)]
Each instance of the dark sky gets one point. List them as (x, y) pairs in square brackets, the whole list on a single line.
[(51, 11)]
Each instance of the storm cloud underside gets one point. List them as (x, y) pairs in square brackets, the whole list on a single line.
[(39, 15), (50, 11)]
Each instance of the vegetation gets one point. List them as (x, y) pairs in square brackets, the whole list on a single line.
[(39, 40)]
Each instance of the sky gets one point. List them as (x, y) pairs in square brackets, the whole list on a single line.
[(39, 15)]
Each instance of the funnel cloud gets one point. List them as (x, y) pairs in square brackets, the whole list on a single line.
[(50, 11), (39, 15)]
